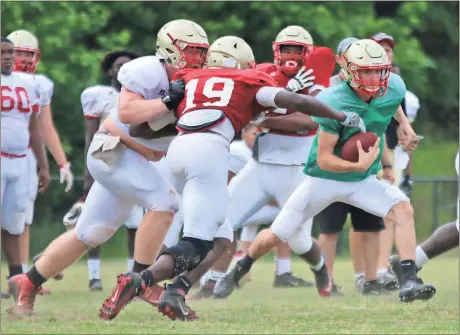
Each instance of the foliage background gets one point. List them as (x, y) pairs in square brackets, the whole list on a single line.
[(75, 35)]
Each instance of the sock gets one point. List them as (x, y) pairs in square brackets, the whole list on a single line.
[(318, 266), (147, 277), (420, 257), (94, 268), (359, 275), (205, 277), (283, 266), (409, 269), (25, 267), (381, 272), (215, 275), (182, 283), (246, 263), (130, 264), (35, 277), (15, 270), (139, 267)]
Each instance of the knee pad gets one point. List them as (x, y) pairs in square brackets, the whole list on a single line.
[(188, 253), (94, 236), (302, 241)]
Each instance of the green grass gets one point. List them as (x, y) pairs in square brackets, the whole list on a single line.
[(257, 309)]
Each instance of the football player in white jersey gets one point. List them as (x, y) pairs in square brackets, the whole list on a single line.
[(97, 102), (119, 163), (27, 55), (240, 155), (444, 238), (20, 127)]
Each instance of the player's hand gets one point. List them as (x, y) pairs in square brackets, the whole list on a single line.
[(175, 95), (407, 137), (353, 120), (302, 80), (388, 175), (66, 175), (367, 158), (259, 120), (43, 179)]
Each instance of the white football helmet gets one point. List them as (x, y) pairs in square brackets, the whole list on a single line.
[(365, 55), (182, 43), (25, 41), (289, 62), (230, 52)]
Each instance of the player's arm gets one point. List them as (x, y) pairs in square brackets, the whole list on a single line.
[(327, 160), (292, 122), (51, 136), (133, 108), (91, 127), (36, 143)]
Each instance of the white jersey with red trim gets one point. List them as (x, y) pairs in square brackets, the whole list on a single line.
[(98, 101), (44, 87), (19, 101), (147, 77)]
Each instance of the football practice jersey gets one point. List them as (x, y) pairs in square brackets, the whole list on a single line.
[(97, 101), (291, 148), (147, 77), (19, 100), (229, 90), (43, 86)]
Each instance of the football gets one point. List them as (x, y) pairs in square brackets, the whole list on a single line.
[(350, 148)]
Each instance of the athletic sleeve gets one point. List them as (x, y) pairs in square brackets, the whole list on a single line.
[(91, 102), (141, 75), (265, 96)]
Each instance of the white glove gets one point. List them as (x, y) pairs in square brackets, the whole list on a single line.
[(71, 217), (66, 175), (301, 80), (354, 120)]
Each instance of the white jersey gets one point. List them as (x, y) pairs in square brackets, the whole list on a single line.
[(240, 153), (98, 101), (147, 77), (43, 86), (19, 101), (412, 105)]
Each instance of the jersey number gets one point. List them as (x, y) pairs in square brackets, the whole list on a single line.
[(223, 94), (8, 101)]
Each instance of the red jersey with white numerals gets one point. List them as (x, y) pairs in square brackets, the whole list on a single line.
[(230, 90), (19, 101)]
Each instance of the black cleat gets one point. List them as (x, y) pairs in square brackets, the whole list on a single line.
[(95, 285), (414, 289), (172, 304), (373, 287), (288, 280), (225, 286), (388, 281)]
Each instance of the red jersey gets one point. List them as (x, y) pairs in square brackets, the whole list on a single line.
[(321, 61), (230, 90)]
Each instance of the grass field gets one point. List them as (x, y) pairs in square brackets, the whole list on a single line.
[(258, 308)]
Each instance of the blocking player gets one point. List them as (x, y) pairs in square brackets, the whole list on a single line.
[(374, 93), (27, 56), (219, 101), (19, 128), (275, 170), (444, 238), (119, 163)]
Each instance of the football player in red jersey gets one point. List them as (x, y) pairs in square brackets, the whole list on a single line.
[(275, 170), (219, 101)]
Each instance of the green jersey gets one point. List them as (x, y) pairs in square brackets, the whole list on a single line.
[(376, 115)]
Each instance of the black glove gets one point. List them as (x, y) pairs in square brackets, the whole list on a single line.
[(176, 94), (406, 186)]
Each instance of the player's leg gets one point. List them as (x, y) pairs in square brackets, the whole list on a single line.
[(331, 221), (356, 242), (369, 226), (102, 216), (444, 238), (293, 225), (132, 224), (94, 269), (387, 238), (384, 200)]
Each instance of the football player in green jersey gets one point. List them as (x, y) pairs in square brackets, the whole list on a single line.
[(375, 94)]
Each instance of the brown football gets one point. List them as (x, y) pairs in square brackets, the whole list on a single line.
[(350, 148)]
